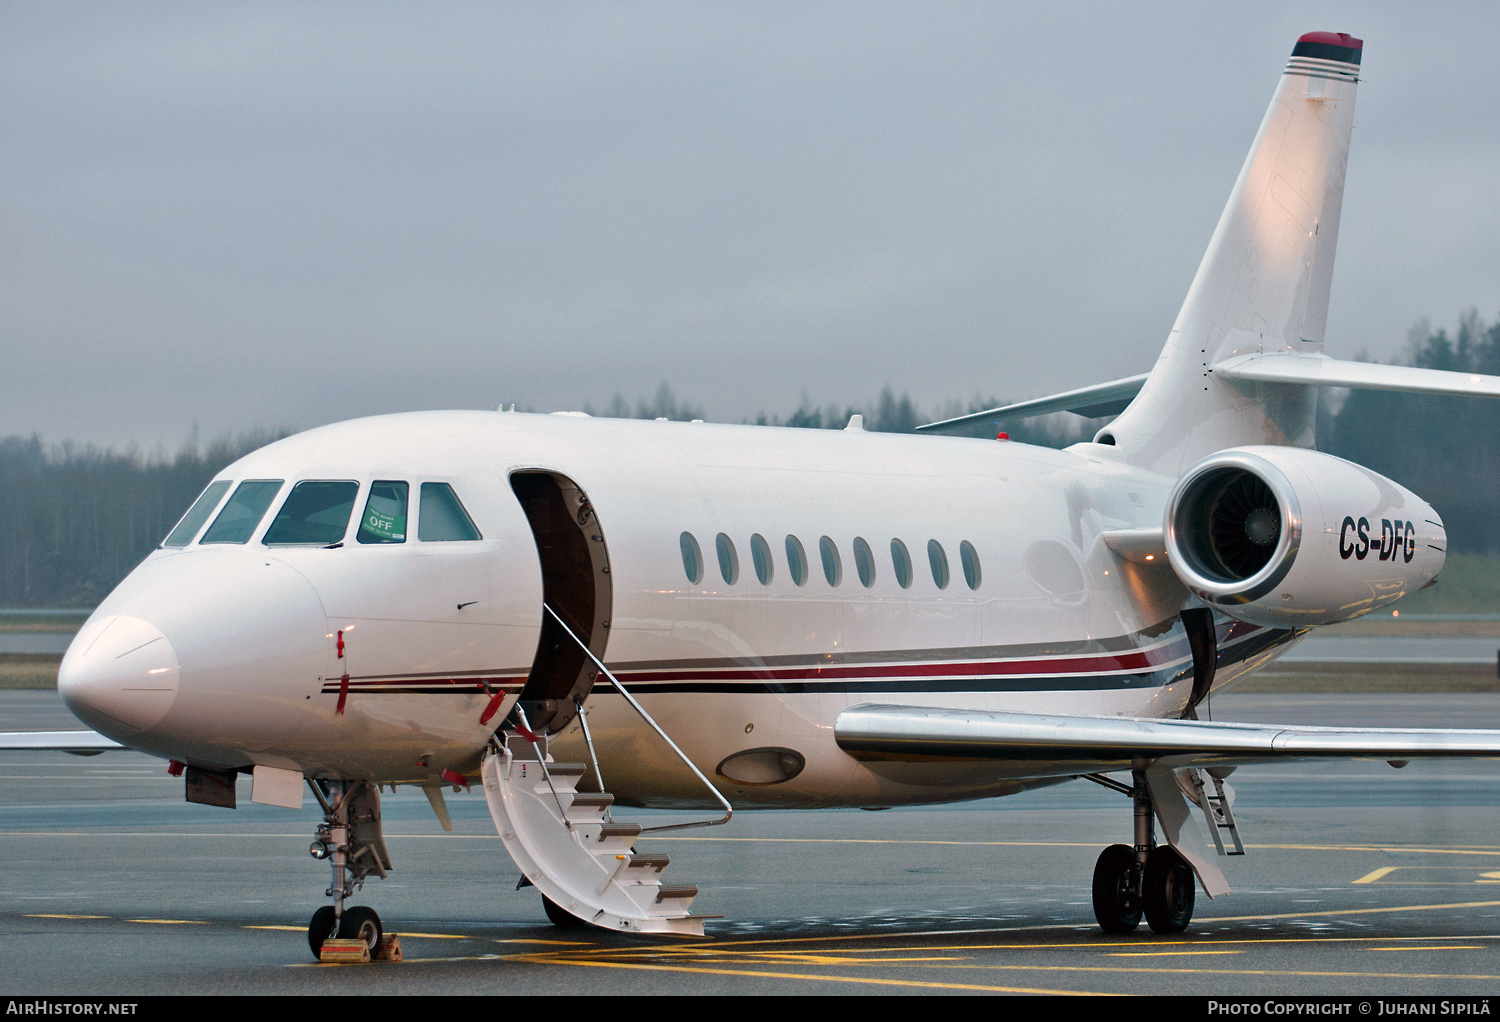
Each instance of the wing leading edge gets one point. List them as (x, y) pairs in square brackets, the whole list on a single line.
[(1053, 745), (80, 743)]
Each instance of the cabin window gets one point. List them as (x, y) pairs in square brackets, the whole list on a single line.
[(384, 520), (760, 553), (969, 558), (864, 562), (796, 560), (938, 558), (692, 557), (729, 559), (315, 512), (243, 512), (197, 514), (901, 561), (441, 518), (833, 568)]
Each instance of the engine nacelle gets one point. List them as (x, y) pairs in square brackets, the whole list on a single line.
[(1287, 537)]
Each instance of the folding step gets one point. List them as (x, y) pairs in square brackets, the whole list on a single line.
[(649, 863), (589, 808), (616, 837), (675, 897), (564, 776)]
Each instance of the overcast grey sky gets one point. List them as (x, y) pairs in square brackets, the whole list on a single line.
[(242, 215)]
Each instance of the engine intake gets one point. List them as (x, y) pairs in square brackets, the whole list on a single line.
[(1283, 536)]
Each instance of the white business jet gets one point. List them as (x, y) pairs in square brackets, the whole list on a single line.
[(697, 616)]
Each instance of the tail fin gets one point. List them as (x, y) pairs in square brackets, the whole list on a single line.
[(1264, 281)]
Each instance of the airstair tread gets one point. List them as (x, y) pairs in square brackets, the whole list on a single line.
[(655, 861), (666, 891), (600, 800)]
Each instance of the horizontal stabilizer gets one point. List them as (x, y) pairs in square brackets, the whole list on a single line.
[(1320, 370), (1091, 402), (82, 742), (1053, 745)]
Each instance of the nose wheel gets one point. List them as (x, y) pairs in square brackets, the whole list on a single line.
[(359, 922)]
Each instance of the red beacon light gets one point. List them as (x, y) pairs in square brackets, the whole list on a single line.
[(1002, 436)]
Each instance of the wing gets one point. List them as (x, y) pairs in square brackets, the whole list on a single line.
[(80, 743), (1091, 402), (1036, 745)]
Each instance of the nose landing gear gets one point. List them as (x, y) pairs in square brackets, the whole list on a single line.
[(350, 839), (1150, 879)]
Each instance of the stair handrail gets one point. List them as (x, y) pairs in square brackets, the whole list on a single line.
[(728, 809)]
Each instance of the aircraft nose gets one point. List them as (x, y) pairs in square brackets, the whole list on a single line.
[(119, 675)]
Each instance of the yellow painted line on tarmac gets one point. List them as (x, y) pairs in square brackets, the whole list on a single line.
[(1159, 954), (1371, 877), (58, 915), (1194, 941), (437, 936), (290, 929), (1433, 947), (1354, 911), (171, 922), (1161, 967), (1091, 969), (813, 977), (528, 940)]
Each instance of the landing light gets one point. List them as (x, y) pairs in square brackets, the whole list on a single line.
[(319, 850)]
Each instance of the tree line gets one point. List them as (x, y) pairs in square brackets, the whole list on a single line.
[(75, 519)]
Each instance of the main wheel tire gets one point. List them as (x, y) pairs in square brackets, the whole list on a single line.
[(320, 929), (362, 923), (561, 916), (1117, 903), (1170, 891)]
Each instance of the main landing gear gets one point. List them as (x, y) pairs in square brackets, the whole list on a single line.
[(350, 839), (1149, 879)]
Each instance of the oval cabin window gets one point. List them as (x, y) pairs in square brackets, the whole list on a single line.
[(901, 561), (833, 567), (796, 560), (729, 559), (938, 558), (969, 558), (760, 554), (864, 562), (692, 558)]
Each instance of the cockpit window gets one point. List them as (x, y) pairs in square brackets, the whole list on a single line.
[(197, 514), (243, 513), (316, 512), (384, 520), (442, 517)]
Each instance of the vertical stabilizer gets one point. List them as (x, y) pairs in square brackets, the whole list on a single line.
[(1263, 284)]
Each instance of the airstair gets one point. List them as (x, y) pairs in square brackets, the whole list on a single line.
[(1210, 794), (566, 841)]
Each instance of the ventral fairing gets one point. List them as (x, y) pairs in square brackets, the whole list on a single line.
[(575, 613)]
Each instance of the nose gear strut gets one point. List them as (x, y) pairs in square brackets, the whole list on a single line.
[(350, 839)]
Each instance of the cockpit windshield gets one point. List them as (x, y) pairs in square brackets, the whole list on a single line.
[(443, 518), (197, 514), (315, 512), (243, 513), (384, 520)]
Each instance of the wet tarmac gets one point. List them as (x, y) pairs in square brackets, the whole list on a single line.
[(1359, 880)]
